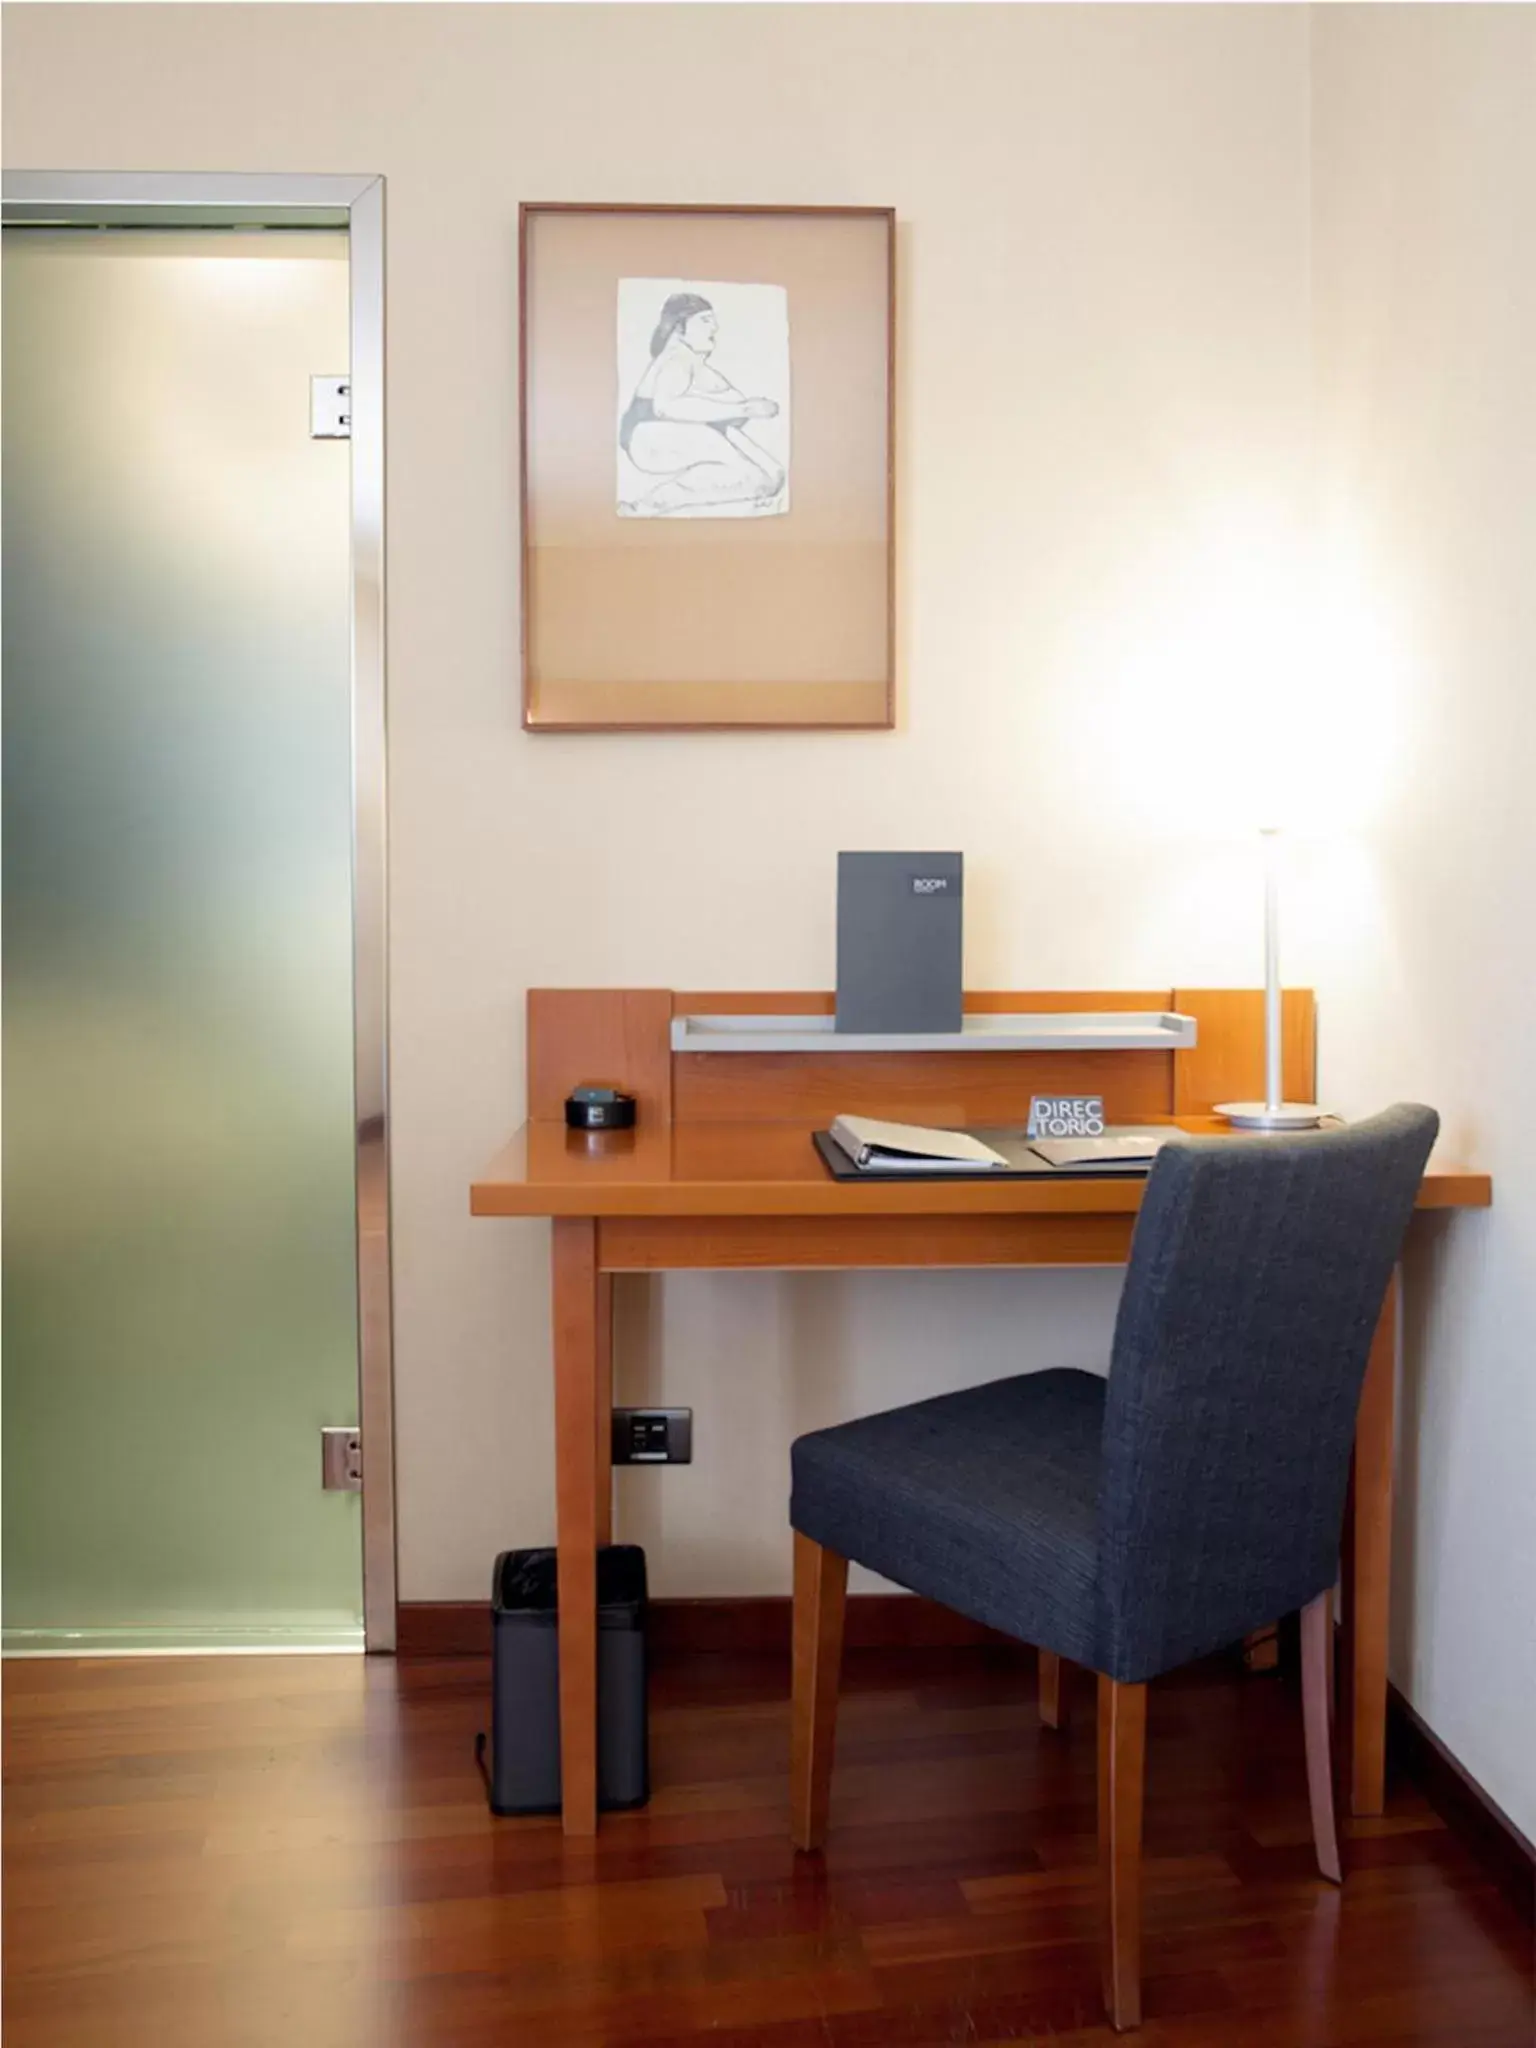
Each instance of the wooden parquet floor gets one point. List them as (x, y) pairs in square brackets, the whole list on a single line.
[(294, 1853)]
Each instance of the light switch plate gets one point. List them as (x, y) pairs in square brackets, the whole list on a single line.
[(330, 408)]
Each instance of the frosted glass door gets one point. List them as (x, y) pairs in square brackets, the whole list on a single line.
[(180, 1291)]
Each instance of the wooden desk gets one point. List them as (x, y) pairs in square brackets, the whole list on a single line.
[(720, 1172)]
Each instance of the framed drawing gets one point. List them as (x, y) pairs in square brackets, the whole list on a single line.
[(706, 466)]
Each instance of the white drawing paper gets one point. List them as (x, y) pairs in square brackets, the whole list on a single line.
[(703, 399)]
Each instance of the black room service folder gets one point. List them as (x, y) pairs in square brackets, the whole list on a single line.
[(899, 941)]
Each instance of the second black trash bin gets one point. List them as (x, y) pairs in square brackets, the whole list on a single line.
[(524, 1771)]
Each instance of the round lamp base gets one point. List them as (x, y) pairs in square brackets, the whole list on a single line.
[(1271, 1116)]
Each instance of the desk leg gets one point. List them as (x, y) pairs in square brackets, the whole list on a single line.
[(578, 1350), (605, 1407), (1368, 1567)]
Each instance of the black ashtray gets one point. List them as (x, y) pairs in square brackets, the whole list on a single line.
[(594, 1108)]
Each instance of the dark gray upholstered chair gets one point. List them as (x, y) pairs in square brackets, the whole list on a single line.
[(1134, 1523)]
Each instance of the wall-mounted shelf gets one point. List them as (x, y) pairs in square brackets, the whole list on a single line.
[(981, 1031)]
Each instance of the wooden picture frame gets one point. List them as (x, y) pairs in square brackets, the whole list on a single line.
[(706, 400)]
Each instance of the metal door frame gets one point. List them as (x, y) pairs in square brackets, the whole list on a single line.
[(217, 199)]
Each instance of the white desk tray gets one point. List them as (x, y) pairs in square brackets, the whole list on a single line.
[(982, 1031)]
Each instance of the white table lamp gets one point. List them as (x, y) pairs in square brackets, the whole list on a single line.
[(1274, 1113)]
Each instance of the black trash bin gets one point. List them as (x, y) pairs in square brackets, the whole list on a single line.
[(524, 1769)]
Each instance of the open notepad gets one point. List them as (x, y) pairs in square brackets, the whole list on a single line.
[(875, 1147), (1115, 1148)]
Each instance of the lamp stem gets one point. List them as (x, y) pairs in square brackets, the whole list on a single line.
[(1274, 1113), (1274, 1088)]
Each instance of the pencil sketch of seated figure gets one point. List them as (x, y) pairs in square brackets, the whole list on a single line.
[(704, 433)]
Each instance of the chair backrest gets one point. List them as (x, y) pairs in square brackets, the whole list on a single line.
[(1257, 1275)]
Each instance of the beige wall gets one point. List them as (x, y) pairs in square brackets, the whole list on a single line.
[(1103, 361), (1425, 292)]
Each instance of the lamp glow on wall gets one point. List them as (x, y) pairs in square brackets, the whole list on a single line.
[(1247, 674), (1331, 663), (1275, 780)]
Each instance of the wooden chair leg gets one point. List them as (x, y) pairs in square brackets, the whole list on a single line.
[(1261, 1648), (1122, 1767), (1050, 1688), (1317, 1715), (821, 1589)]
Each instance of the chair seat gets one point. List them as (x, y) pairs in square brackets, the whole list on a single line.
[(985, 1501)]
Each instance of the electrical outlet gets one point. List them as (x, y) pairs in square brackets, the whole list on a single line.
[(341, 1460), (653, 1436)]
